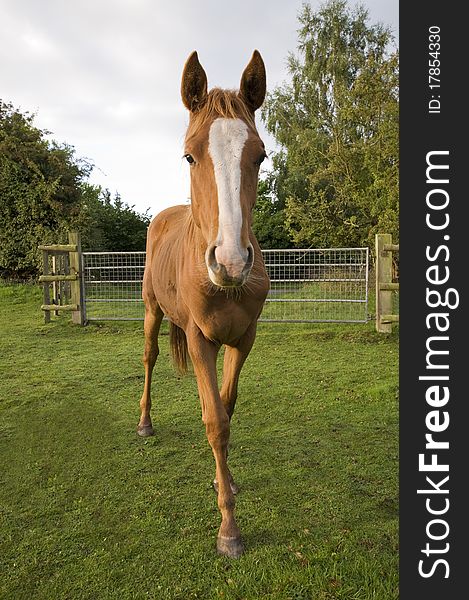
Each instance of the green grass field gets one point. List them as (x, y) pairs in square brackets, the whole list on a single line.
[(91, 511)]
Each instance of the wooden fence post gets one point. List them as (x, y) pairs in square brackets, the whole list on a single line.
[(70, 257), (46, 292), (66, 284), (76, 286), (55, 284), (384, 284)]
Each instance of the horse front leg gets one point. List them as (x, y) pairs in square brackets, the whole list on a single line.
[(153, 318), (217, 426), (233, 362)]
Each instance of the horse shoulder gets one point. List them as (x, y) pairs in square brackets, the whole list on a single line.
[(166, 223)]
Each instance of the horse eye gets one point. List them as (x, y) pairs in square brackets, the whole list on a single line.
[(189, 158)]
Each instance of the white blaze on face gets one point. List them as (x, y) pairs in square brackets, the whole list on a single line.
[(226, 142)]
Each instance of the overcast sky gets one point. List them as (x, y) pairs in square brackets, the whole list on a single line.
[(104, 76)]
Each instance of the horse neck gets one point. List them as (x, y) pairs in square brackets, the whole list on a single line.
[(192, 238)]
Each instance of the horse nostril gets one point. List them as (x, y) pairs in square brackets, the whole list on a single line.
[(250, 259), (212, 259)]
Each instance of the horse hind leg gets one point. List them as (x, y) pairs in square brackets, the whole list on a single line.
[(153, 318)]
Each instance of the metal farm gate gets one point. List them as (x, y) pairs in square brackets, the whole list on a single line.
[(313, 285), (317, 285)]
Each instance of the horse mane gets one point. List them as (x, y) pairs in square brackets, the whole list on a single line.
[(227, 104)]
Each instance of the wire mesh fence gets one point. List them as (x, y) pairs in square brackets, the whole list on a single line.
[(313, 285), (317, 285), (113, 285)]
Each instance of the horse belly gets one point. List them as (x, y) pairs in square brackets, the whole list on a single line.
[(166, 291), (164, 276)]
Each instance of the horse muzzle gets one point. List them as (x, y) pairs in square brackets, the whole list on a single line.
[(228, 269)]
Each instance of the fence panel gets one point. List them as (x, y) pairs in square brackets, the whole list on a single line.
[(113, 285), (313, 285), (317, 285)]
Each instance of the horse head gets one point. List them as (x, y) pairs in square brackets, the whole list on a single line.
[(225, 152)]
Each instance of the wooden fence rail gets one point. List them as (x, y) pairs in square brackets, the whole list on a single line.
[(63, 273), (384, 284)]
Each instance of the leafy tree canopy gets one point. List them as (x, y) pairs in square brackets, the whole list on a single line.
[(269, 217), (337, 124), (44, 192), (109, 224)]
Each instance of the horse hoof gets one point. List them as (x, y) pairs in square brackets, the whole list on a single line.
[(231, 547), (145, 430), (234, 487)]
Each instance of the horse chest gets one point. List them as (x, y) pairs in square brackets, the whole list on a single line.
[(224, 326)]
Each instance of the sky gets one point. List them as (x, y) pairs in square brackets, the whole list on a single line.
[(104, 76)]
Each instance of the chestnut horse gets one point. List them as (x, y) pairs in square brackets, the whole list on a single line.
[(204, 268)]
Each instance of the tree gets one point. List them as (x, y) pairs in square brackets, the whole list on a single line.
[(337, 124), (40, 195), (109, 224), (44, 192), (269, 217)]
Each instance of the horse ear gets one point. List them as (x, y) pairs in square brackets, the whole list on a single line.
[(193, 84), (253, 82)]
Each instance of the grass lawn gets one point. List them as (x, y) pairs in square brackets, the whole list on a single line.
[(91, 511)]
